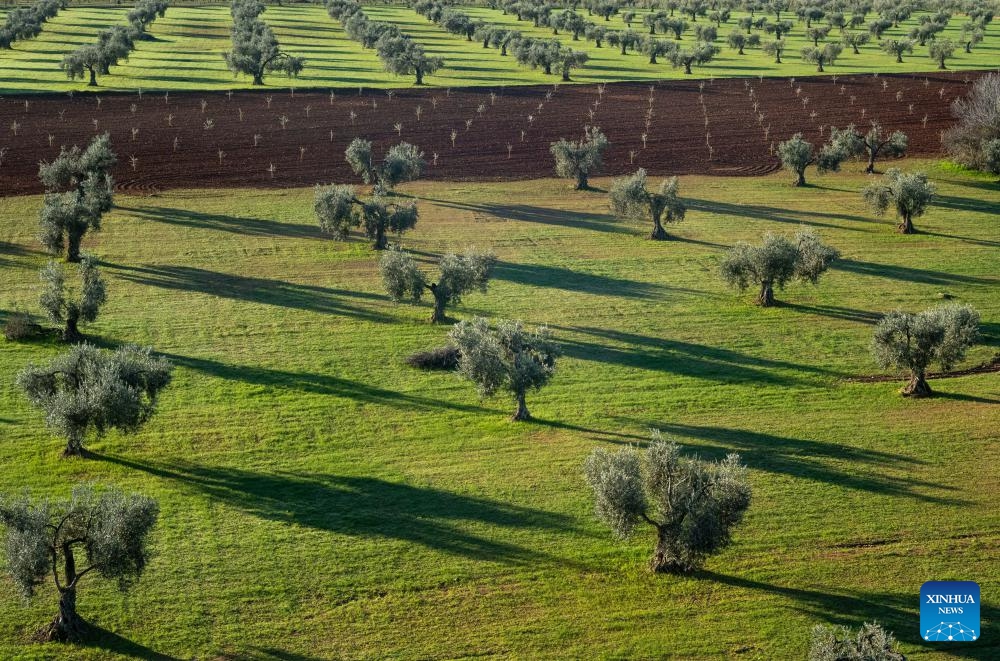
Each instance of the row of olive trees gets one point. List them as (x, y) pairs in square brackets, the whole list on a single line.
[(27, 22), (400, 55), (255, 50), (113, 45)]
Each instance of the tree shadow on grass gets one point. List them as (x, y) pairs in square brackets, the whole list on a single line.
[(683, 358), (531, 214), (10, 252), (899, 614), (225, 223), (807, 459), (317, 384), (834, 312), (909, 274), (273, 653), (776, 214), (312, 298), (557, 277), (100, 638), (369, 507)]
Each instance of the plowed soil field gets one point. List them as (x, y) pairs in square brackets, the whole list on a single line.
[(727, 127)]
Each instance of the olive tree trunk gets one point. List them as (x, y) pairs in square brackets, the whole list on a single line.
[(666, 557), (658, 233), (73, 240), (766, 296), (522, 408), (71, 333), (67, 626), (440, 301), (582, 182), (906, 224), (917, 386)]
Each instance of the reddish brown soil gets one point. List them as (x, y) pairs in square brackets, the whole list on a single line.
[(684, 123)]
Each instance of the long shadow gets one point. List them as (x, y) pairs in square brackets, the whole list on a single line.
[(531, 214), (682, 358), (270, 653), (967, 204), (367, 507), (899, 614), (318, 384), (834, 312), (98, 637), (225, 223), (12, 250), (775, 214), (799, 458), (254, 290), (557, 277), (909, 274)]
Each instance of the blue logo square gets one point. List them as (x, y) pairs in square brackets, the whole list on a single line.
[(949, 611)]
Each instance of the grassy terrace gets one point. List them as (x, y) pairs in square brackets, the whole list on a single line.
[(358, 507), (187, 46)]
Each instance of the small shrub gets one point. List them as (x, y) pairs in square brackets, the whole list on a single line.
[(441, 358), (20, 327)]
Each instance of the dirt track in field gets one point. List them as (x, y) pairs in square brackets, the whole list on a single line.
[(695, 127)]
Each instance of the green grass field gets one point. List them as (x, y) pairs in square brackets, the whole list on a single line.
[(187, 46), (320, 499)]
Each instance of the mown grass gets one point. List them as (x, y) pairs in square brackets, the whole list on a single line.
[(185, 52), (320, 499)]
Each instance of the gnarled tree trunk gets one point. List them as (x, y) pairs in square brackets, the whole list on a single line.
[(71, 333), (522, 409), (73, 241), (917, 386), (381, 243), (906, 225), (581, 181), (68, 626), (440, 301), (800, 177), (658, 233), (666, 557), (766, 296)]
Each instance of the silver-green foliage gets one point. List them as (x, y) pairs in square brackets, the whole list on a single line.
[(101, 532), (403, 162), (578, 159), (505, 356), (909, 193), (631, 200), (457, 276), (87, 389), (797, 154), (870, 643), (70, 306), (915, 341), (339, 210), (78, 192), (692, 504), (776, 261)]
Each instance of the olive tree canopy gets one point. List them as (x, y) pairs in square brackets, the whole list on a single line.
[(775, 262), (505, 356), (457, 276), (910, 193), (877, 142), (339, 209), (630, 199), (403, 162), (78, 192), (70, 306), (914, 341), (797, 154), (692, 504), (578, 159), (102, 533), (87, 389)]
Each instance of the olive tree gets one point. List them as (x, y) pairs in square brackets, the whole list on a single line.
[(897, 47), (100, 533), (991, 156), (877, 142), (910, 193), (505, 356), (775, 262), (578, 159), (403, 162), (78, 192), (88, 389), (692, 504), (940, 50), (85, 60), (632, 200), (255, 49), (870, 643), (402, 56), (826, 55), (457, 275), (739, 41), (797, 154), (855, 40), (914, 341), (70, 306), (339, 210), (978, 125), (775, 47), (971, 35), (687, 57), (657, 48)]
